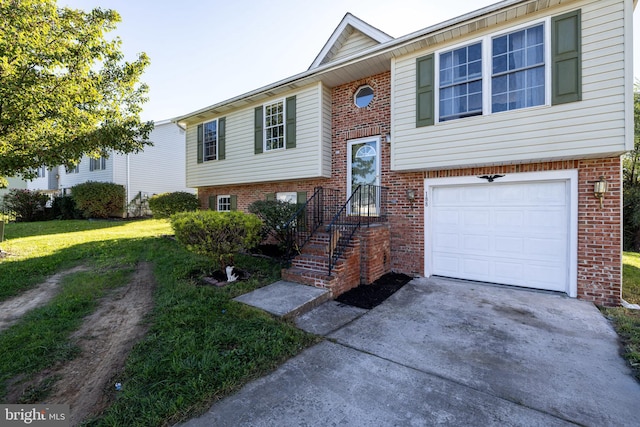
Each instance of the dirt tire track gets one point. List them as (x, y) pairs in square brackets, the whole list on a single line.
[(13, 309), (105, 339)]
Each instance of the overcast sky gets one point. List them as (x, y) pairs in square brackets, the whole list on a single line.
[(206, 51)]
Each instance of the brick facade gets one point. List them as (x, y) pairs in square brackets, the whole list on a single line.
[(599, 230)]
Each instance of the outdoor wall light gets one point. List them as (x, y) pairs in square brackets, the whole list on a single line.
[(387, 137), (600, 188), (411, 195)]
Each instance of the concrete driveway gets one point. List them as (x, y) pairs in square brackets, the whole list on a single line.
[(446, 352)]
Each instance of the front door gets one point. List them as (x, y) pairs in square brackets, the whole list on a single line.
[(364, 171)]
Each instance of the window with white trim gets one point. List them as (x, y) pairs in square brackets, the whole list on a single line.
[(274, 126), (517, 79), (41, 171), (210, 140), (98, 164), (224, 203), (494, 74), (287, 196), (75, 169)]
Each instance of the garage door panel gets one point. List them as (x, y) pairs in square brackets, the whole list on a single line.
[(511, 233), (476, 243)]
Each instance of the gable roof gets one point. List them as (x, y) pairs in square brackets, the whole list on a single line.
[(350, 36), (377, 58)]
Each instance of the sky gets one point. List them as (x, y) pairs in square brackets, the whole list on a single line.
[(206, 51)]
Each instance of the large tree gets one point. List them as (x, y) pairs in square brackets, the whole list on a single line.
[(65, 89)]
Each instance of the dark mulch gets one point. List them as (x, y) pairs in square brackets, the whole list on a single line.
[(369, 296)]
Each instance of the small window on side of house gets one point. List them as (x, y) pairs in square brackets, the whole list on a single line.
[(287, 196), (224, 203)]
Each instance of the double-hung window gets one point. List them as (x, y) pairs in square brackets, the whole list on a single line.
[(210, 140), (461, 82), (98, 164), (496, 73), (224, 203), (274, 126), (518, 69)]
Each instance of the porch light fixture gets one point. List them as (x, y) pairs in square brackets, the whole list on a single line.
[(411, 195), (387, 137), (599, 189)]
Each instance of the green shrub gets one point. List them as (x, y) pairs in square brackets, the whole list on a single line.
[(25, 205), (275, 214), (166, 204), (64, 207), (217, 235), (99, 199)]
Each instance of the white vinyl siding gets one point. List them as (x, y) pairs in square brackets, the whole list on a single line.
[(592, 127), (157, 169), (325, 128), (241, 165), (356, 42)]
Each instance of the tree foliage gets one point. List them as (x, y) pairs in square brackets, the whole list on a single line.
[(65, 89), (631, 182)]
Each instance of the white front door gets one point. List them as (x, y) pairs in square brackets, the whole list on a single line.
[(364, 169), (509, 232)]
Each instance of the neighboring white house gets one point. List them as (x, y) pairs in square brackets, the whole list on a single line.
[(158, 169)]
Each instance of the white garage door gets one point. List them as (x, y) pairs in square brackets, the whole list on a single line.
[(508, 233)]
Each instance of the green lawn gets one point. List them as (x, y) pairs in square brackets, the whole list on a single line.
[(626, 321), (200, 346)]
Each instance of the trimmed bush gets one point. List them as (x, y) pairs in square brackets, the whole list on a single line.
[(26, 205), (64, 207), (275, 214), (99, 199), (166, 204), (217, 235)]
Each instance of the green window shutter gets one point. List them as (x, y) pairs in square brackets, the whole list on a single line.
[(200, 144), (566, 58), (270, 197), (301, 197), (290, 133), (425, 91), (258, 139), (213, 202), (234, 202), (222, 128)]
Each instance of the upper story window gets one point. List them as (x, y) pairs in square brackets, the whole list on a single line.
[(363, 96), (98, 164), (461, 82), (497, 73), (274, 126), (210, 140), (41, 171), (518, 74), (75, 169)]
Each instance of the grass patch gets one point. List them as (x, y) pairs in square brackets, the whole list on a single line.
[(626, 321), (201, 345), (41, 338), (631, 277)]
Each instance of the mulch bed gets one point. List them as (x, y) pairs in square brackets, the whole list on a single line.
[(369, 296)]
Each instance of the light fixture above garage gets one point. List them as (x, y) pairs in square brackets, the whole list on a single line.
[(599, 189)]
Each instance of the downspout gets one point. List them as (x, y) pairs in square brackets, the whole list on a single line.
[(128, 188)]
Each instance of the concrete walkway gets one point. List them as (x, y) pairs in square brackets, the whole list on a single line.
[(445, 352)]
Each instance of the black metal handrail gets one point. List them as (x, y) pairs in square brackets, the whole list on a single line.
[(319, 209), (367, 204)]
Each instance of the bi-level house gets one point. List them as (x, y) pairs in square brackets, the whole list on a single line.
[(485, 148)]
